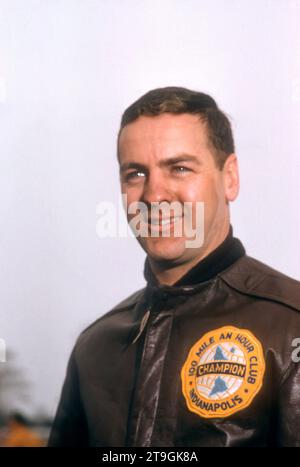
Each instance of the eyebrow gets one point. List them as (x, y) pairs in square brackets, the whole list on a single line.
[(163, 163), (179, 158)]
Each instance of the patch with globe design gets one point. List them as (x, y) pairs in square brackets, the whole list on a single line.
[(223, 372)]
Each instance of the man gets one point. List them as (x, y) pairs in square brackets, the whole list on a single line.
[(203, 355)]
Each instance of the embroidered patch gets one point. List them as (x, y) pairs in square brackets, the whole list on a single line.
[(223, 372)]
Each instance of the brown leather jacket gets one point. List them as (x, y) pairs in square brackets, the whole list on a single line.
[(206, 364)]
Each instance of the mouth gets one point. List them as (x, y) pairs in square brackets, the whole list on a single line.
[(165, 221), (157, 226), (162, 225)]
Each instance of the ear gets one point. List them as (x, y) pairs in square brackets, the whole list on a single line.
[(231, 178)]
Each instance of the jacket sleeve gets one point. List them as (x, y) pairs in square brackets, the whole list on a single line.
[(289, 408), (69, 427)]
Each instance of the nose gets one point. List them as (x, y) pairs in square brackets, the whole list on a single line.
[(156, 189)]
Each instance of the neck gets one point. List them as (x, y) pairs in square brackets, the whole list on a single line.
[(170, 275)]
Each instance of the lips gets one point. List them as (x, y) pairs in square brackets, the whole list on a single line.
[(164, 225), (165, 221)]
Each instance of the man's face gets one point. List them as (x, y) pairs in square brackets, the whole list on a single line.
[(167, 158)]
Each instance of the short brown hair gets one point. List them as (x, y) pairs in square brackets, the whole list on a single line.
[(178, 100)]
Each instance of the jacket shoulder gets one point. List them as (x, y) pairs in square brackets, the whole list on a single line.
[(125, 304), (252, 277)]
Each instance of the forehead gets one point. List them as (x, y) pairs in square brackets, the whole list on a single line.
[(163, 133)]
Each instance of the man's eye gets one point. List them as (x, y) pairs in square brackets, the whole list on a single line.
[(133, 175), (181, 169)]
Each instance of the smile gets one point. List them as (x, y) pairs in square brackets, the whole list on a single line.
[(164, 222)]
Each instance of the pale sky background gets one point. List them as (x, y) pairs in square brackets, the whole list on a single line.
[(68, 69)]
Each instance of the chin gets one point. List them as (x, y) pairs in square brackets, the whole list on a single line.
[(165, 249)]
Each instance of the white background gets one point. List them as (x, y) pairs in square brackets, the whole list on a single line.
[(68, 69)]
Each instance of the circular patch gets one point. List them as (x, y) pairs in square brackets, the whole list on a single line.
[(223, 372)]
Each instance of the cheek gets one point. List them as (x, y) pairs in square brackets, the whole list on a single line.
[(132, 193), (208, 191), (203, 190)]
